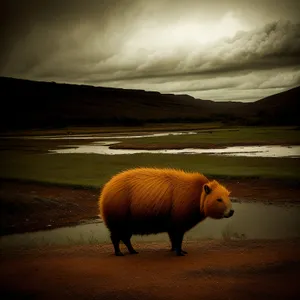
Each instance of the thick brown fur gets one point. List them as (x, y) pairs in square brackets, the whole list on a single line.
[(149, 201)]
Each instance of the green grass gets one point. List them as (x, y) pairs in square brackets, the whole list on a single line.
[(220, 137), (28, 160), (94, 170), (116, 129)]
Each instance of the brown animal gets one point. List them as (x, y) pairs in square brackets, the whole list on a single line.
[(149, 201)]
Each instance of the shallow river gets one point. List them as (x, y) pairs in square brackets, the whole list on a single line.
[(248, 151), (99, 144), (102, 147), (250, 221)]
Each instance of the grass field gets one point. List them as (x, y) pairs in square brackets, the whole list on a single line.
[(116, 129), (95, 170), (220, 137), (29, 160)]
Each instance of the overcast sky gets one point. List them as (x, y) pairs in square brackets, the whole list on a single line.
[(220, 50)]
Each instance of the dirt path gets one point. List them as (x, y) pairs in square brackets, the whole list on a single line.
[(243, 269), (32, 206), (211, 270)]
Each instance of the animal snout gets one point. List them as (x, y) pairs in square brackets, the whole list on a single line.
[(231, 212)]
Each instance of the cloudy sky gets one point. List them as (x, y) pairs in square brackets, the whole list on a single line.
[(210, 49)]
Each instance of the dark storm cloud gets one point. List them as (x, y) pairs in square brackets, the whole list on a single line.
[(275, 45), (35, 31), (116, 43)]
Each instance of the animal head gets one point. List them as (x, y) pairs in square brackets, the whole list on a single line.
[(215, 202)]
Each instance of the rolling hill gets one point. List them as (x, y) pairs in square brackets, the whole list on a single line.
[(278, 109), (34, 104)]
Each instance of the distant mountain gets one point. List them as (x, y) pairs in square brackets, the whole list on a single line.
[(278, 109), (33, 104)]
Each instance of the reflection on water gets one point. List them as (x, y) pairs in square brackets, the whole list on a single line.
[(249, 151), (250, 221)]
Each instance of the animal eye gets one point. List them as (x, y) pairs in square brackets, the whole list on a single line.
[(219, 200)]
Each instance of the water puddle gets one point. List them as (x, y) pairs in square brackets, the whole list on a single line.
[(250, 221), (246, 151), (101, 145)]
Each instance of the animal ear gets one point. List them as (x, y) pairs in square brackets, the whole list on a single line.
[(214, 184), (207, 189)]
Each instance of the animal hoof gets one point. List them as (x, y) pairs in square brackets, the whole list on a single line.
[(133, 252), (119, 254), (181, 253)]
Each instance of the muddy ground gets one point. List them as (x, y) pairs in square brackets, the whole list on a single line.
[(212, 270), (243, 269)]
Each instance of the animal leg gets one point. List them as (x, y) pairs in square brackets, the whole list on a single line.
[(176, 241), (116, 242), (172, 241), (178, 244), (127, 242)]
